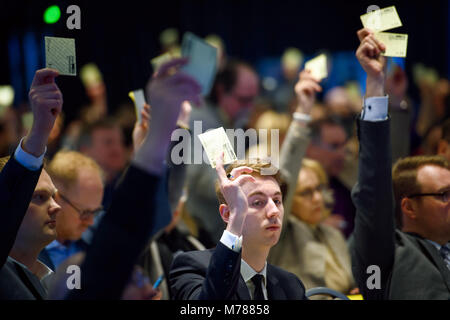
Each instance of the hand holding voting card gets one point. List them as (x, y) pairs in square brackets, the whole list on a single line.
[(215, 142), (139, 100), (60, 55), (202, 65), (386, 19), (381, 20), (318, 67)]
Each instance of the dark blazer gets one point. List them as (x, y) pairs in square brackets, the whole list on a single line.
[(122, 235), (411, 268), (215, 275), (17, 185)]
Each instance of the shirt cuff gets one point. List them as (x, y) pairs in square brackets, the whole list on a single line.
[(27, 160), (375, 109), (232, 241)]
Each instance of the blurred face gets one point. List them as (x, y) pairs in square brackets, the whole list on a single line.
[(242, 96), (262, 225), (330, 151), (108, 149), (433, 213), (38, 227), (85, 195), (308, 204)]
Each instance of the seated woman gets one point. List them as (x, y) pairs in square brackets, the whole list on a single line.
[(314, 251)]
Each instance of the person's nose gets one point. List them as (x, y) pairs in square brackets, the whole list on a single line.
[(272, 209), (54, 208)]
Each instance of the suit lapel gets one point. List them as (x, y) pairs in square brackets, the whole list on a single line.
[(32, 282), (436, 258), (274, 290), (242, 290)]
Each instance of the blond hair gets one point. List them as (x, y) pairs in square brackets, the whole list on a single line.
[(65, 165)]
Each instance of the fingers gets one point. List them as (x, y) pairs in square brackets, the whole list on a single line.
[(236, 172), (44, 76), (362, 33), (244, 178), (175, 63), (220, 170)]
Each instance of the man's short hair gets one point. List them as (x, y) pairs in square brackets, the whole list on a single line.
[(65, 165), (257, 165), (228, 77), (87, 130), (404, 178), (3, 162)]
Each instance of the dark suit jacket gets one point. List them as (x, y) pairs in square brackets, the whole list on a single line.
[(17, 185), (215, 275), (411, 268), (122, 235)]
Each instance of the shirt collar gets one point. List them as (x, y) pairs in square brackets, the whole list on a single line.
[(248, 272), (42, 269)]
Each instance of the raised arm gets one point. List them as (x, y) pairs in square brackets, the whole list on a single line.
[(20, 175), (372, 195), (128, 224)]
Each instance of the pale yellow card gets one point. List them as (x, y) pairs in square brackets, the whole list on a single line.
[(381, 20), (60, 55), (318, 67), (396, 43), (215, 142)]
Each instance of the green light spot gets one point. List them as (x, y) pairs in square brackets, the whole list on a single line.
[(52, 14)]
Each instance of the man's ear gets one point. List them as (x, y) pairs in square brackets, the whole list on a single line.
[(224, 212), (408, 208)]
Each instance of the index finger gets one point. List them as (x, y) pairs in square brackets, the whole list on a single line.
[(44, 76), (362, 33), (219, 168)]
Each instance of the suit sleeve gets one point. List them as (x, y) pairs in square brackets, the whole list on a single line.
[(193, 277), (373, 198), (120, 238), (17, 185)]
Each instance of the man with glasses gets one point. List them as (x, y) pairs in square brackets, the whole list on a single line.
[(78, 179), (412, 260)]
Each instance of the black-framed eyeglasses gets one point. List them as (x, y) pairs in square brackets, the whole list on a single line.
[(444, 196), (84, 214)]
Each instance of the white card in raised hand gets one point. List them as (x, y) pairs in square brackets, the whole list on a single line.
[(381, 20), (318, 67), (60, 55), (396, 43), (202, 65), (215, 142)]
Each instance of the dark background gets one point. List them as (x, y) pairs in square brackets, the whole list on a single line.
[(122, 36)]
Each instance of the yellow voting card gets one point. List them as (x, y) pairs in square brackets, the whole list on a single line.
[(381, 20), (396, 43), (318, 67), (215, 142)]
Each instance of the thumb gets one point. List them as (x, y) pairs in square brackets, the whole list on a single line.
[(44, 76)]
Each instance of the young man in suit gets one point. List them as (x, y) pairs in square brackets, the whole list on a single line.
[(28, 208), (388, 263), (251, 206)]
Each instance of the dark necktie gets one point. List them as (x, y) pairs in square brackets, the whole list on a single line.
[(445, 253), (258, 282)]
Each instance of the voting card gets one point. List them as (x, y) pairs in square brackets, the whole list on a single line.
[(381, 20), (396, 43), (138, 98), (318, 67), (202, 65), (215, 142), (60, 55)]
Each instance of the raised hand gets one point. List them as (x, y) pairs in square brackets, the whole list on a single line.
[(141, 128), (46, 104), (371, 60), (231, 187), (167, 90), (305, 89)]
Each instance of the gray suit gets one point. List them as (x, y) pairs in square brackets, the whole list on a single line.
[(411, 268)]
